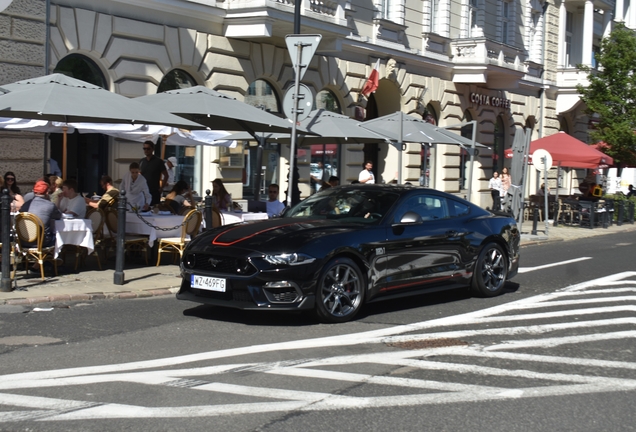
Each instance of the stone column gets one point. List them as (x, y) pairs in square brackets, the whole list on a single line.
[(588, 33)]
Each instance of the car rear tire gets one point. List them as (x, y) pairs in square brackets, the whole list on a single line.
[(340, 291), (491, 271)]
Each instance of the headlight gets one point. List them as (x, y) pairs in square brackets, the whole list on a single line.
[(289, 259)]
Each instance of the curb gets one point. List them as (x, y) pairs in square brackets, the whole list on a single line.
[(154, 292)]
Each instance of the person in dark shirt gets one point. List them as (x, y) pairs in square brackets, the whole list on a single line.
[(154, 171)]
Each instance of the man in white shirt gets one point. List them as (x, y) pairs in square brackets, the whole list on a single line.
[(69, 201), (136, 187), (495, 191), (274, 207), (366, 175)]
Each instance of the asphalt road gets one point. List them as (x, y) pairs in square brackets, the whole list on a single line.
[(538, 358)]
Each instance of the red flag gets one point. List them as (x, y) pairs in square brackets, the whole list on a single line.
[(373, 81)]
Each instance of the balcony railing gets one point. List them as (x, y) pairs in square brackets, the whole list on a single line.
[(483, 51)]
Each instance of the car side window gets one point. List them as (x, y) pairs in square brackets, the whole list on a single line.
[(429, 207), (459, 209)]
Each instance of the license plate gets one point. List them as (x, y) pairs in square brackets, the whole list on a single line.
[(208, 283)]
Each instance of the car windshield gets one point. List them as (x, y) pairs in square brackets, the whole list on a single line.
[(367, 206)]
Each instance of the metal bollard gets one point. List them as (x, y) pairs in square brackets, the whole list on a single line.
[(556, 213), (621, 213), (6, 241), (631, 212), (535, 219), (121, 235), (208, 210)]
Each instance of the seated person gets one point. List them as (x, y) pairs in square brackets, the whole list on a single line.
[(43, 208), (631, 191), (221, 198), (179, 196), (69, 201), (274, 207), (136, 187), (109, 199)]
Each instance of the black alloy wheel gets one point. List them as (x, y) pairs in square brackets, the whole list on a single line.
[(491, 270), (340, 291)]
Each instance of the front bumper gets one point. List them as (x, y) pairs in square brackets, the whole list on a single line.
[(288, 290)]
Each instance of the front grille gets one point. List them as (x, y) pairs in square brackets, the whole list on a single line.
[(287, 296), (281, 294), (219, 264)]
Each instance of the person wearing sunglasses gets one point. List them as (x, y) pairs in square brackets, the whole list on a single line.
[(11, 183)]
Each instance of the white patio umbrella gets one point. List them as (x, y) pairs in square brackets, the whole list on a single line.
[(216, 110), (400, 128), (63, 99)]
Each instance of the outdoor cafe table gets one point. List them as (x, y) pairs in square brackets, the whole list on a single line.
[(233, 217), (74, 232), (135, 225)]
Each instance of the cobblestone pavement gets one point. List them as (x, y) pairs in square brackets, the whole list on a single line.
[(90, 283)]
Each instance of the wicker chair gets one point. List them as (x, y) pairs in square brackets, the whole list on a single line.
[(30, 230), (177, 244), (131, 242), (217, 218)]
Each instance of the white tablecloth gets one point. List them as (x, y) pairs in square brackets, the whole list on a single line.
[(134, 225), (74, 231), (232, 217)]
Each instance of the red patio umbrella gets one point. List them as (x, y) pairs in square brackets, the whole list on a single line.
[(567, 151)]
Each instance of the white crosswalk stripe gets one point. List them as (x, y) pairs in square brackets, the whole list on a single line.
[(599, 310)]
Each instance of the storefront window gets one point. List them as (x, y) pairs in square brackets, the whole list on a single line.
[(261, 164), (426, 168), (174, 80), (322, 158)]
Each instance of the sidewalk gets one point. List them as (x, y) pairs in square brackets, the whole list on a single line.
[(90, 283)]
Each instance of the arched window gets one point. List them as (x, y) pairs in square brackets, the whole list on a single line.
[(499, 145), (86, 154), (327, 100), (260, 94), (464, 157), (82, 68), (174, 80), (260, 165)]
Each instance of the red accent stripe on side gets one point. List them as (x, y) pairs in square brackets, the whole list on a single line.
[(218, 242)]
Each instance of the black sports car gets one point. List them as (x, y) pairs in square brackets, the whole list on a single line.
[(349, 245)]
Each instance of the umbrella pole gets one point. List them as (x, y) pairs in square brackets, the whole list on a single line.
[(164, 139), (64, 149), (401, 147), (472, 159)]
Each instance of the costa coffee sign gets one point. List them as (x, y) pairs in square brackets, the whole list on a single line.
[(497, 102)]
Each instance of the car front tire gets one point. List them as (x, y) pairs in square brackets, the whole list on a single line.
[(340, 291), (491, 271)]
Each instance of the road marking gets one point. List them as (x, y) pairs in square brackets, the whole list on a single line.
[(233, 379), (541, 267)]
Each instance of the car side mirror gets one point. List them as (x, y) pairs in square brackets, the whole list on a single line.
[(411, 218)]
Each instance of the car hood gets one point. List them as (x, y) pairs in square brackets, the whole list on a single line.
[(275, 234)]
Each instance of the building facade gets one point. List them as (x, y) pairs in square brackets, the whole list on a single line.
[(502, 64)]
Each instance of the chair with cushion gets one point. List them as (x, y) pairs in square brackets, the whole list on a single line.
[(190, 227), (131, 242), (30, 231)]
